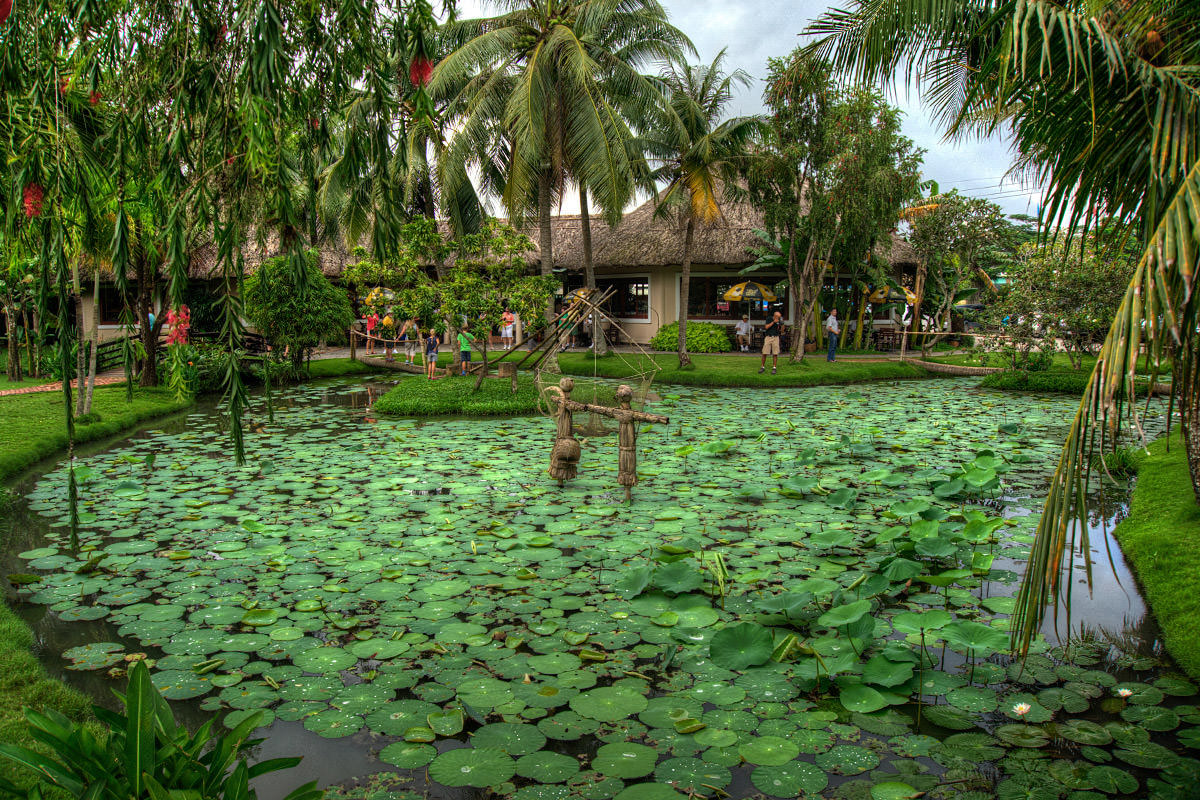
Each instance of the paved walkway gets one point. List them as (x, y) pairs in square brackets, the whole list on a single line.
[(106, 379)]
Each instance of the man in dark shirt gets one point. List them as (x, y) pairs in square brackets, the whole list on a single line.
[(771, 334)]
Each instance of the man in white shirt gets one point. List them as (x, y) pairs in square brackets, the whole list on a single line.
[(742, 329), (832, 329)]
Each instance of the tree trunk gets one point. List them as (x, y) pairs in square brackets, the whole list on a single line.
[(862, 311), (13, 368), (80, 352), (919, 292), (31, 354), (545, 235), (685, 277), (145, 306), (803, 304), (439, 266), (93, 352), (484, 369), (589, 271)]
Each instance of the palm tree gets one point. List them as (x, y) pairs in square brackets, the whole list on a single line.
[(1102, 103), (548, 87), (697, 152)]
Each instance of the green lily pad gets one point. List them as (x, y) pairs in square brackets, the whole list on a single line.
[(472, 766)]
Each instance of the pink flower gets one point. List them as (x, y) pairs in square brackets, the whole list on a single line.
[(1124, 692), (1021, 709)]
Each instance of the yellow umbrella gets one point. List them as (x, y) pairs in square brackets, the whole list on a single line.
[(749, 290), (883, 294)]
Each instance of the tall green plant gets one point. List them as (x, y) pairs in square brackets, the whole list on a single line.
[(145, 754), (1101, 102), (547, 89), (697, 152)]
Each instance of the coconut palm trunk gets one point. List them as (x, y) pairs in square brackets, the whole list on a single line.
[(685, 278), (545, 234), (589, 270)]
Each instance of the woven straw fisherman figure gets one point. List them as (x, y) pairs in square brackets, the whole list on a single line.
[(627, 463), (564, 458)]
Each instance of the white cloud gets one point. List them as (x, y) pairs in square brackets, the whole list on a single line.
[(753, 31)]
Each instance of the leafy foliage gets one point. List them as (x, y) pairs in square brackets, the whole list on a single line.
[(702, 337), (145, 754), (296, 314), (1066, 293)]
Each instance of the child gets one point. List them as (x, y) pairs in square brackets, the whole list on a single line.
[(465, 340), (372, 324), (432, 342)]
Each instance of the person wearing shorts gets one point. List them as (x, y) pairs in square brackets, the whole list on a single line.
[(508, 328), (410, 334), (771, 334), (431, 353), (372, 324), (743, 329), (465, 340)]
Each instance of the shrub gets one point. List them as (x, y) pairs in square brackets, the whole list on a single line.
[(1120, 463), (144, 754), (1058, 382), (702, 337)]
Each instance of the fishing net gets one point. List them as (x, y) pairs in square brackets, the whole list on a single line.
[(637, 368)]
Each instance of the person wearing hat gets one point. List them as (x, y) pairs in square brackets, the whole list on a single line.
[(743, 329)]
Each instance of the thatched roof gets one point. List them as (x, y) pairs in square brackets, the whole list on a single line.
[(640, 240), (204, 266), (643, 240)]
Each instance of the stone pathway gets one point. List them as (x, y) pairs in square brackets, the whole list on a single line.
[(106, 379)]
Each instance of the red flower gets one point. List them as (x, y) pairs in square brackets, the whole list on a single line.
[(5, 10), (33, 200), (315, 123), (94, 98), (179, 321), (420, 70)]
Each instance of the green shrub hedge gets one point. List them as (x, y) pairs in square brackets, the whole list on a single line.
[(702, 337), (1058, 382)]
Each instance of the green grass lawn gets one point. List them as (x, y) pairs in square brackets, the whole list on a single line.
[(338, 367), (1061, 362), (35, 424), (739, 370), (1161, 540), (420, 397)]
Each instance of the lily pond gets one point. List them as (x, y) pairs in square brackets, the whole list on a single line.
[(807, 597)]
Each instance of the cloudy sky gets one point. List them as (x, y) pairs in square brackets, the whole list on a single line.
[(754, 30)]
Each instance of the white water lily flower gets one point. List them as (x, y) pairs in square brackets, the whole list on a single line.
[(1021, 709)]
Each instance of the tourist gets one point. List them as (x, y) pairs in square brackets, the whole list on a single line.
[(387, 332), (508, 329), (410, 334), (771, 334), (743, 330), (465, 340), (432, 342), (372, 324), (832, 329)]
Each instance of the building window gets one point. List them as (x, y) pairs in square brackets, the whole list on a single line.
[(705, 300), (108, 304), (630, 298)]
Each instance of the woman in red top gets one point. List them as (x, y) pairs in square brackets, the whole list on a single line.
[(372, 323)]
